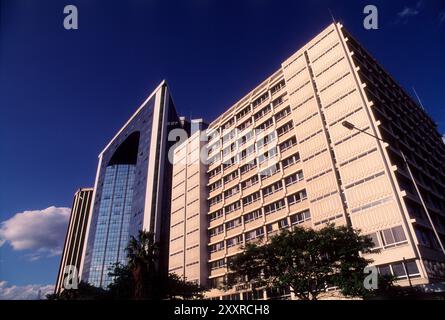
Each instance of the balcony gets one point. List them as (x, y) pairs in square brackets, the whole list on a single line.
[(251, 189), (234, 249), (252, 206), (253, 224), (299, 206), (215, 178), (235, 231), (218, 272), (282, 213), (234, 214), (289, 134), (289, 151), (216, 238), (217, 255), (216, 206), (292, 168), (216, 222), (231, 183), (294, 187), (215, 192), (277, 195)]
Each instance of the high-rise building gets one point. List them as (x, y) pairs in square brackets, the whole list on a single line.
[(132, 189), (281, 156), (188, 231), (75, 237)]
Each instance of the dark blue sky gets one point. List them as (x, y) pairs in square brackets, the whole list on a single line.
[(63, 94)]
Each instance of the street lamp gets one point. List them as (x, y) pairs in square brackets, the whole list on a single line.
[(350, 126)]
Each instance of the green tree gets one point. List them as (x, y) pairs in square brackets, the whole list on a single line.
[(306, 260), (141, 278)]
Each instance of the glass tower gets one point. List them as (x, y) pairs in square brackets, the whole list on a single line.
[(130, 192)]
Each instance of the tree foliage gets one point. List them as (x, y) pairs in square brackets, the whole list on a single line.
[(139, 279), (306, 260)]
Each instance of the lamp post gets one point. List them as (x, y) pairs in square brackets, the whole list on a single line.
[(350, 126)]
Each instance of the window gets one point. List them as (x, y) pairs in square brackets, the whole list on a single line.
[(249, 182), (228, 124), (215, 185), (215, 200), (215, 159), (300, 217), (264, 126), (273, 207), (231, 192), (245, 138), (214, 147), (267, 139), (253, 216), (267, 155), (294, 178), (247, 152), (233, 224), (213, 135), (216, 283), (272, 189), (232, 207), (282, 114), (260, 99), (247, 167), (229, 162), (398, 269), (228, 136), (217, 247), (245, 124), (230, 177), (216, 231), (291, 160), (278, 101), (251, 198), (262, 113), (217, 264), (266, 173), (216, 215), (229, 149), (286, 145), (282, 224), (393, 236), (254, 234), (285, 128), (214, 172), (297, 197), (375, 240), (234, 241), (277, 87), (243, 112)]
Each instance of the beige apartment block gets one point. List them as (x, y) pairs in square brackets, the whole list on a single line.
[(281, 157), (188, 231)]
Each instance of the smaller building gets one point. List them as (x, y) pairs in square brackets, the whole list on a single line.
[(188, 231), (75, 236)]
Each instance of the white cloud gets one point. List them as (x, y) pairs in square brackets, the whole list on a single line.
[(28, 292), (40, 232)]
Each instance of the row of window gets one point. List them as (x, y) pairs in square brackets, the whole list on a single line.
[(258, 232), (268, 209), (248, 135), (264, 174)]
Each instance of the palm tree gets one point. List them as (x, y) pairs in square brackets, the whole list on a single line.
[(143, 256)]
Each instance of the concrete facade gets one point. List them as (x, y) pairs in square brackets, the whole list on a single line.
[(281, 157)]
